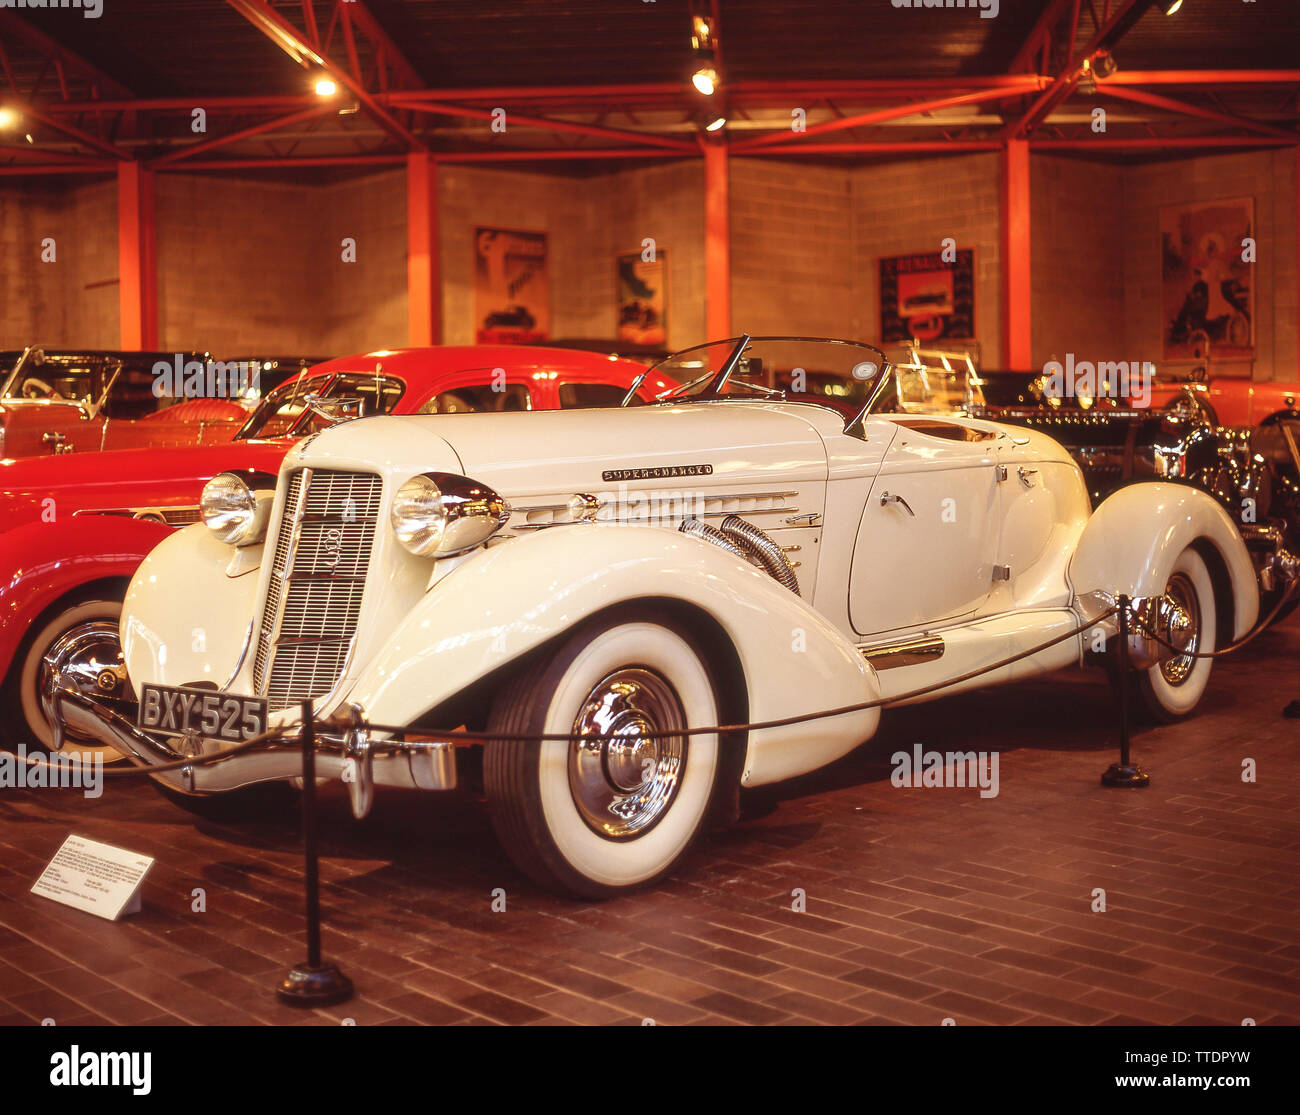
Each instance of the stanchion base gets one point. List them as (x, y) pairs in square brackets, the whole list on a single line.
[(1116, 775), (314, 987)]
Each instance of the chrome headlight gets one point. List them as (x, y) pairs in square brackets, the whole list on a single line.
[(439, 513), (232, 511)]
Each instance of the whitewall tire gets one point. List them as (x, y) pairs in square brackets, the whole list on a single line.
[(82, 636), (598, 819), (1173, 687)]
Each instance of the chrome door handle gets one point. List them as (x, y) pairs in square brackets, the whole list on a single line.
[(1027, 475), (886, 499)]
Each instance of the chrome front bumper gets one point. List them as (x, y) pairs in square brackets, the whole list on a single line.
[(349, 753)]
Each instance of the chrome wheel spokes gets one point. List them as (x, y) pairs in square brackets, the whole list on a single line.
[(624, 784), (1178, 622)]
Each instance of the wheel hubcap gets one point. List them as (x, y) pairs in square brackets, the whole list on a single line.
[(1178, 622), (88, 657), (625, 783)]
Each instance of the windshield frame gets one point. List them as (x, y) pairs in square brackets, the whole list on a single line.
[(741, 344)]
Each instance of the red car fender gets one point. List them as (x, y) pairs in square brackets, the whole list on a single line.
[(47, 561)]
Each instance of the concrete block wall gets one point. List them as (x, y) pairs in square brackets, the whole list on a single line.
[(793, 269), (247, 264), (911, 206), (1077, 248)]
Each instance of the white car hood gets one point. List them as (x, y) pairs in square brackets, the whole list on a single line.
[(698, 445)]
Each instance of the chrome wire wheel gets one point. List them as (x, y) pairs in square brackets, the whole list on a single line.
[(1178, 622), (625, 778)]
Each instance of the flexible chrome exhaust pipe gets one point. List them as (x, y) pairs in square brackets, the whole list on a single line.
[(748, 537)]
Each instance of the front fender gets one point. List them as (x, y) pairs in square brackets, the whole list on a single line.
[(1134, 537), (510, 599), (42, 562)]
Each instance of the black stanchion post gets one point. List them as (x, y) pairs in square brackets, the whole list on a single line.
[(1125, 772), (314, 984)]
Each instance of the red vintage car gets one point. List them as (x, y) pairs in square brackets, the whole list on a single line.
[(83, 402), (1228, 401), (73, 530)]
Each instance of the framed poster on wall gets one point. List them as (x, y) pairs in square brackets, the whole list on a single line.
[(923, 298), (1208, 298), (512, 300), (643, 298)]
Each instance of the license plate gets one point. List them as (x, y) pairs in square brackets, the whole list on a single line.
[(179, 710)]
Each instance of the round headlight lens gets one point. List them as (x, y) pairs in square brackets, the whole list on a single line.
[(229, 509), (438, 513), (418, 517)]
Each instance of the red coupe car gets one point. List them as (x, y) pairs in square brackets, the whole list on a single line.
[(74, 529)]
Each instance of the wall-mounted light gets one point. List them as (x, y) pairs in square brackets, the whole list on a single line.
[(325, 87)]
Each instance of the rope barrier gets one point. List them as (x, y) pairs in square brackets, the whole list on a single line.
[(275, 735), (1250, 635)]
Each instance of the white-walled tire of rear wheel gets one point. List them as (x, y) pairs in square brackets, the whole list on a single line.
[(1166, 700), (32, 726), (530, 801)]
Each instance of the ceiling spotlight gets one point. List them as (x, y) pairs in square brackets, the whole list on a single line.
[(325, 87), (8, 117), (1104, 64), (1171, 6), (1087, 80), (705, 79), (716, 124), (701, 32)]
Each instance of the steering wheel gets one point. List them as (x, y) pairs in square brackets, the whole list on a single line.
[(34, 388)]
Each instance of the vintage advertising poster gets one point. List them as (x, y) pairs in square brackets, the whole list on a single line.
[(643, 298), (512, 302), (1208, 296), (924, 298)]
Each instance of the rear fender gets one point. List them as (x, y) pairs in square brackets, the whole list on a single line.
[(1133, 539)]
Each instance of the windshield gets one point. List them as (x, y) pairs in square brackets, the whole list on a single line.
[(840, 374), (285, 411)]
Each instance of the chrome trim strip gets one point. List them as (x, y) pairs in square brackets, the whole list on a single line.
[(243, 654), (910, 652), (521, 510)]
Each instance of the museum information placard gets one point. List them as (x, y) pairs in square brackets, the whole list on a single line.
[(98, 878)]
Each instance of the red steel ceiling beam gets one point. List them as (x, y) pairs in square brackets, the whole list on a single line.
[(244, 133), (878, 116), (1155, 100), (1154, 143), (548, 124), (19, 28), (1111, 26), (921, 146), (1040, 35), (293, 43)]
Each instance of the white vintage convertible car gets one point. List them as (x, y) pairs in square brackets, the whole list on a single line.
[(732, 555)]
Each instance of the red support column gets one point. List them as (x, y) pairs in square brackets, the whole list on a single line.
[(137, 265), (1016, 289), (1276, 375), (423, 289), (717, 242)]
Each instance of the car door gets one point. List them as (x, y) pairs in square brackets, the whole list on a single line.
[(927, 542)]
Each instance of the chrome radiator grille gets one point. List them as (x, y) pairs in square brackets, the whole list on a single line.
[(318, 577)]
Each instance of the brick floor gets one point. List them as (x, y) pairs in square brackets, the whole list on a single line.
[(922, 904)]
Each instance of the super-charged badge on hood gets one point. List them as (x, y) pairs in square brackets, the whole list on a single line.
[(661, 472)]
